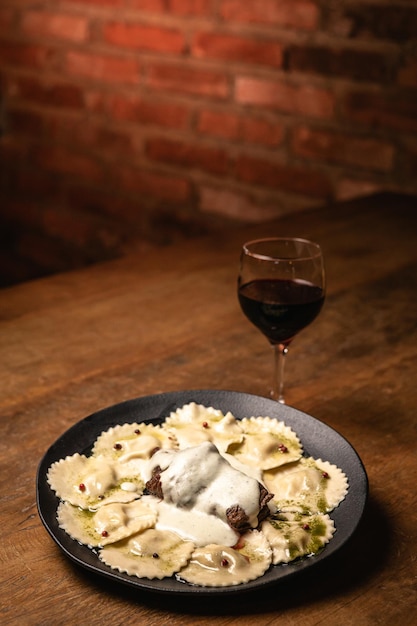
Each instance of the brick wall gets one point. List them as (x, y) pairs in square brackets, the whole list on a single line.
[(141, 121)]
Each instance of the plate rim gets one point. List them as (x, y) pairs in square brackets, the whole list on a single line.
[(357, 494)]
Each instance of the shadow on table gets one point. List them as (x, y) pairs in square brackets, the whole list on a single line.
[(349, 568)]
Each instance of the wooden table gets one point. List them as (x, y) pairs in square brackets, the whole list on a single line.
[(169, 320)]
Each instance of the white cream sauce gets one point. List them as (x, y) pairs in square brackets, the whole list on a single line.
[(195, 526), (200, 480)]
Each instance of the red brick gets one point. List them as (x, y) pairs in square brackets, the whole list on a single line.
[(381, 21), (182, 79), (237, 49), (219, 124), (290, 98), (144, 37), (394, 110), (51, 93), (103, 140), (409, 160), (99, 3), (149, 6), (92, 138), (35, 183), (96, 100), (91, 233), (239, 128), (407, 73), (186, 8), (32, 253), (263, 132), (336, 147), (264, 93), (299, 14), (182, 154), (303, 133), (25, 121), (23, 54), (258, 171), (62, 26), (113, 69), (13, 150), (191, 7), (7, 16), (48, 254), (141, 111), (364, 65), (175, 189), (349, 188), (23, 213), (65, 225), (236, 205), (107, 203), (67, 162)]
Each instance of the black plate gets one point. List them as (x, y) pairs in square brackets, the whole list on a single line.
[(318, 439)]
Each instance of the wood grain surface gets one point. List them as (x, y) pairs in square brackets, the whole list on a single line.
[(169, 320)]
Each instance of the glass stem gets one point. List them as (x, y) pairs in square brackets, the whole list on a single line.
[(280, 352)]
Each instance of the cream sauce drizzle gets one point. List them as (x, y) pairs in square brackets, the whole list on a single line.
[(191, 525), (202, 485)]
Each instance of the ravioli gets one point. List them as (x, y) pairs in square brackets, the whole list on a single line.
[(267, 443), (222, 566), (150, 554), (91, 482), (308, 486), (109, 524), (132, 441), (292, 535), (194, 424), (204, 497)]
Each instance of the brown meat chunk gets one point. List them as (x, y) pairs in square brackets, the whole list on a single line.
[(154, 485), (264, 498), (237, 518)]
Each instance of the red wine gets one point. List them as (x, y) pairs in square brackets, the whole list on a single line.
[(280, 308)]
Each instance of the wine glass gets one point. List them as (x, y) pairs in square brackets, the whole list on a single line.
[(281, 289)]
